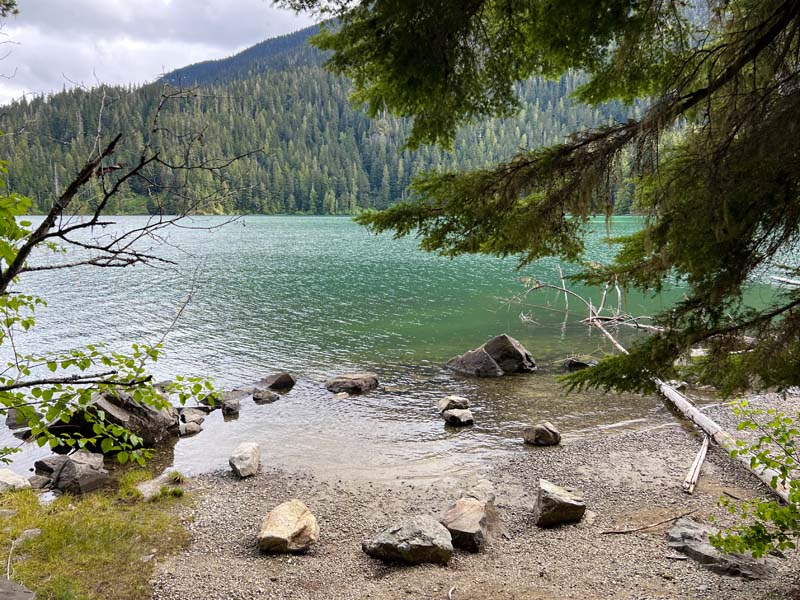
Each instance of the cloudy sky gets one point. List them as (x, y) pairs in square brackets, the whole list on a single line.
[(53, 43)]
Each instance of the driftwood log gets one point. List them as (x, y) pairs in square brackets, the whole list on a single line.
[(770, 477)]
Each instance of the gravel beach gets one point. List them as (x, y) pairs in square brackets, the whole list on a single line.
[(628, 480)]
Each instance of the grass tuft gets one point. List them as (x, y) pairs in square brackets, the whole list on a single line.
[(92, 547)]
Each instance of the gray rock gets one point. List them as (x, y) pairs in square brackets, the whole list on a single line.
[(152, 425), (556, 505), (419, 539), (11, 481), (352, 383), (279, 381), (16, 418), (13, 591), (29, 534), (48, 466), (39, 482), (190, 428), (573, 364), (452, 402), (7, 513), (467, 521), (151, 488), (497, 357), (80, 473), (264, 396), (476, 363), (458, 417), (692, 538), (542, 434), (510, 355), (289, 527), (245, 459), (193, 415), (230, 405)]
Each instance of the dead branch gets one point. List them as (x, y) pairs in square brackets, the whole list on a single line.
[(694, 471), (634, 530)]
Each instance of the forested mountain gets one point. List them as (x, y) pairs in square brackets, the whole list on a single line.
[(320, 155)]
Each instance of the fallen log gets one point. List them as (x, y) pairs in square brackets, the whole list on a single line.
[(770, 477), (694, 471)]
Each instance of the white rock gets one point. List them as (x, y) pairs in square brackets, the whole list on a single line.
[(11, 481), (246, 459), (452, 402)]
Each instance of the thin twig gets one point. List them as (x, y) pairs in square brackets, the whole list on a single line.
[(634, 530)]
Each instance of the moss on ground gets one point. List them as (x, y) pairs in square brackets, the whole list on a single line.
[(99, 546)]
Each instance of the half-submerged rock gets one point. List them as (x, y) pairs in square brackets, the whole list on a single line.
[(245, 459), (279, 381), (467, 521), (289, 527), (497, 357), (693, 539), (452, 402), (264, 396), (419, 539), (542, 434), (352, 383), (556, 505), (458, 417)]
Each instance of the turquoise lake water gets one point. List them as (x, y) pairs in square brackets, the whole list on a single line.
[(319, 296)]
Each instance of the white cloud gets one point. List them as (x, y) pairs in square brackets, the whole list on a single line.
[(57, 43)]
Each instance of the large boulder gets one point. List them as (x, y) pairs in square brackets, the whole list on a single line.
[(152, 425), (80, 473), (352, 383), (692, 538), (451, 403), (542, 434), (510, 355), (289, 527), (419, 539), (556, 505), (279, 381), (497, 357), (245, 459), (458, 417), (11, 481), (467, 520)]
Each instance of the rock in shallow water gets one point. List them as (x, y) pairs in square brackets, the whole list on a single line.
[(692, 538), (289, 527), (458, 417), (452, 402), (542, 434), (264, 396), (415, 540), (556, 505), (279, 381), (467, 520), (245, 459), (352, 383), (497, 357)]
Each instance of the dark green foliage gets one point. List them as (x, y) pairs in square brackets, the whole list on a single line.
[(320, 156), (714, 161)]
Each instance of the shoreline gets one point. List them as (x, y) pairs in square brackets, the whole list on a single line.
[(628, 480)]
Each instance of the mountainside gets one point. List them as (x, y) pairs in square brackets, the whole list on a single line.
[(320, 155)]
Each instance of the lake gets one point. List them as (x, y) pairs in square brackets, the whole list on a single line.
[(318, 296)]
